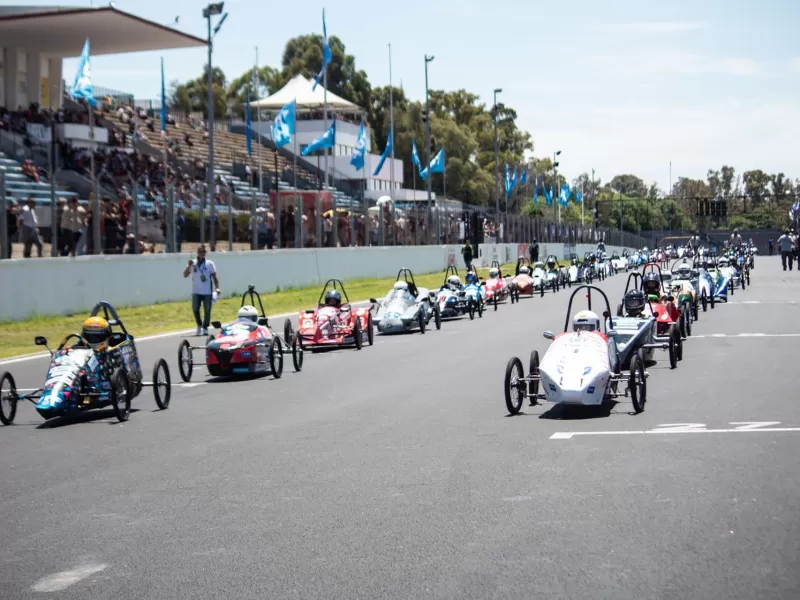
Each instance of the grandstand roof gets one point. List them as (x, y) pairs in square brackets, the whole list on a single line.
[(62, 32), (301, 89)]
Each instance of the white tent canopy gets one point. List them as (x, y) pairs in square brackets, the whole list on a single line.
[(300, 89)]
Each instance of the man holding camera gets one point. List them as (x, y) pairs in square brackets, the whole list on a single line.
[(204, 274)]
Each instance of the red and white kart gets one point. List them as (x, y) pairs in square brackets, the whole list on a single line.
[(498, 288), (581, 368), (332, 325)]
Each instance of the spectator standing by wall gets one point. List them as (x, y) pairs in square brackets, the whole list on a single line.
[(533, 250), (785, 247), (11, 223), (29, 229), (466, 252), (204, 285), (71, 222)]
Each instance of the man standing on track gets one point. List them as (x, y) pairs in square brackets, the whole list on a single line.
[(204, 273), (533, 250), (785, 247)]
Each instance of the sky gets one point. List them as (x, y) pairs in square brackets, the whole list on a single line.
[(619, 86)]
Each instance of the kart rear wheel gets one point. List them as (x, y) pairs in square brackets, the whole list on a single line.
[(637, 384), (704, 301), (494, 300), (358, 334), (541, 290), (121, 394), (437, 317), (514, 389), (695, 310), (480, 308), (471, 309), (421, 321), (370, 331), (288, 331), (673, 350), (689, 320), (533, 386), (297, 351), (185, 361), (8, 399), (679, 341), (162, 384), (742, 279), (275, 354), (713, 301)]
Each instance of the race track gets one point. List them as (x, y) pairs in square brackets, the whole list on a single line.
[(395, 472)]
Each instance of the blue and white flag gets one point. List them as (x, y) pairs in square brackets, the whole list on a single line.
[(163, 102), (283, 125), (514, 179), (547, 195), (326, 140), (508, 183), (524, 177), (82, 86), (578, 197), (415, 155), (248, 125), (361, 148), (386, 153), (794, 212), (326, 53), (536, 190), (437, 165), (563, 197)]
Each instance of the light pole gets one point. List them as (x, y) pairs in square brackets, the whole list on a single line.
[(208, 12), (557, 190), (428, 138), (496, 160)]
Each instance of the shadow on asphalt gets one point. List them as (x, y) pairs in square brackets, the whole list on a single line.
[(561, 412), (90, 416)]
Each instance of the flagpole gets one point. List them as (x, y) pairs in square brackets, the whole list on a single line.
[(582, 204), (98, 243), (258, 120), (166, 162), (391, 129), (294, 168)]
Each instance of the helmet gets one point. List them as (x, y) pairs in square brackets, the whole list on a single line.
[(722, 262), (333, 298), (248, 313), (634, 302), (494, 272), (551, 263), (96, 332), (454, 280), (401, 285), (471, 277), (651, 284), (524, 271), (586, 320)]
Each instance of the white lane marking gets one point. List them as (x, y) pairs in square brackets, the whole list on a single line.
[(744, 335), (763, 302), (743, 427), (190, 385), (64, 579)]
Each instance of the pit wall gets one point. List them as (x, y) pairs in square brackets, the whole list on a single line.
[(51, 286)]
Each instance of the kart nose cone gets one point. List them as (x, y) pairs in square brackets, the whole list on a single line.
[(391, 324)]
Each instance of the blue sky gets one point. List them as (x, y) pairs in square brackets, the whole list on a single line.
[(620, 86)]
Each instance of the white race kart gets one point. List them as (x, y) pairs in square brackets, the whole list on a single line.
[(618, 263), (581, 368)]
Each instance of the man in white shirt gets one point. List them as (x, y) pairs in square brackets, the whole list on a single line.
[(204, 274), (785, 247), (29, 228)]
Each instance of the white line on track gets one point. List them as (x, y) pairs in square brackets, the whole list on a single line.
[(743, 335), (743, 427), (64, 579), (762, 302)]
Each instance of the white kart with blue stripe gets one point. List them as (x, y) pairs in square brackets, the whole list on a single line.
[(406, 307)]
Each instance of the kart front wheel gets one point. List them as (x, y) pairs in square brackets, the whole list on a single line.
[(704, 302), (121, 394), (288, 331), (533, 384), (8, 399), (358, 334), (185, 361), (370, 331), (297, 351), (471, 310), (513, 386), (494, 300), (162, 384), (437, 317), (674, 341), (637, 384), (421, 321), (275, 354), (480, 308)]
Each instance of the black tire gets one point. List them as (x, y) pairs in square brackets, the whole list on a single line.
[(541, 289), (437, 317), (162, 384), (358, 334), (533, 386), (370, 330), (637, 384), (619, 310), (494, 300), (471, 309), (695, 310), (8, 399), (741, 279), (421, 320), (185, 361), (713, 301), (512, 295), (275, 355), (689, 320), (121, 394), (731, 289), (673, 350), (704, 301), (297, 351), (480, 308), (515, 395), (679, 339), (288, 331)]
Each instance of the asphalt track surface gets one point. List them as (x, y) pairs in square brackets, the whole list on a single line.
[(394, 472)]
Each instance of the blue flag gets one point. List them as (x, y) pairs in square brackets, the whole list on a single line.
[(524, 178), (563, 197), (437, 166), (283, 125), (82, 86), (548, 196), (514, 179), (578, 197), (508, 182), (248, 124), (386, 153), (415, 155), (163, 101), (326, 140), (536, 190), (326, 53), (361, 148)]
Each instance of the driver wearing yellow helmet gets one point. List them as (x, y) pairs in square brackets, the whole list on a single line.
[(96, 332)]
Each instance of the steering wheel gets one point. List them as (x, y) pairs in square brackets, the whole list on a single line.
[(63, 344)]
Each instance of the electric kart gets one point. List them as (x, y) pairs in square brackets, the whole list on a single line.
[(665, 303), (247, 346), (406, 307), (581, 367), (527, 278), (618, 263), (452, 297), (575, 270), (498, 288), (80, 378), (335, 323)]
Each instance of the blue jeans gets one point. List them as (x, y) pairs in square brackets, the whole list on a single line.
[(206, 301)]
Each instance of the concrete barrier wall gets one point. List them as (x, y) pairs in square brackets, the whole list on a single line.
[(51, 286), (505, 253)]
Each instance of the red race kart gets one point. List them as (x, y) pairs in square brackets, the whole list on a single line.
[(498, 288), (335, 323)]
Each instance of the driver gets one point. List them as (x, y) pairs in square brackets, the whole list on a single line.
[(454, 282), (524, 271), (248, 313), (402, 288), (96, 332), (586, 320), (333, 298), (551, 264), (471, 277), (651, 284), (634, 303), (494, 273)]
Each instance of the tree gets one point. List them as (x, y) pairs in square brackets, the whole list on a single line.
[(192, 96), (270, 81), (630, 185)]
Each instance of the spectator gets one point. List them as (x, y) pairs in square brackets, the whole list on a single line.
[(785, 246), (11, 223), (203, 273), (466, 252), (533, 251), (30, 170), (29, 228), (71, 221)]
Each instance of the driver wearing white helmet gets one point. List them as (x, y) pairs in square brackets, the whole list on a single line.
[(524, 271), (454, 281), (586, 320), (494, 273), (248, 313)]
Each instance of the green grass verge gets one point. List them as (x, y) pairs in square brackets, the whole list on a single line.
[(17, 336)]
